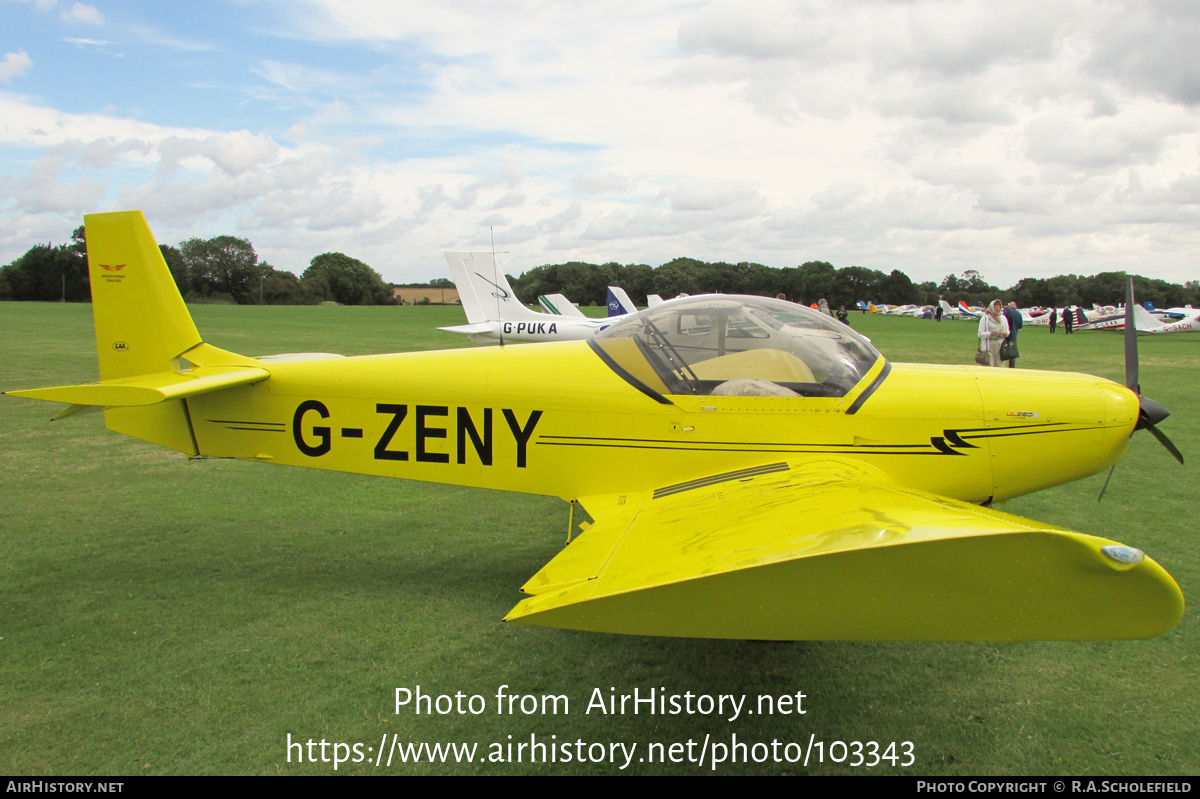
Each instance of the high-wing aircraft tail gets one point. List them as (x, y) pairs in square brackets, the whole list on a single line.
[(484, 290), (151, 355), (619, 303), (653, 300)]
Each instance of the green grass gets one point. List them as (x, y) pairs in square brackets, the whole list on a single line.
[(166, 616)]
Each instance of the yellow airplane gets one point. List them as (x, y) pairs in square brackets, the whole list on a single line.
[(754, 469)]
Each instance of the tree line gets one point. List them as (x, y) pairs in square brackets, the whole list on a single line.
[(221, 269), (227, 269), (810, 282)]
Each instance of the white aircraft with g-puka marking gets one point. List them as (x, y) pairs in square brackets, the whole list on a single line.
[(495, 314)]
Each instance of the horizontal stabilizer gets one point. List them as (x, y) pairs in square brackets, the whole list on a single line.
[(149, 389), (833, 550), (480, 327)]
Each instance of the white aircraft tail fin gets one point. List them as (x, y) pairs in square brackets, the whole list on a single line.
[(1142, 320), (653, 300), (559, 305), (484, 290)]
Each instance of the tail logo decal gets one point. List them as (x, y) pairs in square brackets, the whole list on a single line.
[(120, 346), (503, 295), (114, 272)]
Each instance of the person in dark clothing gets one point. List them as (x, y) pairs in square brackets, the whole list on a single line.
[(937, 313), (1014, 324), (1053, 318), (1068, 319), (842, 316)]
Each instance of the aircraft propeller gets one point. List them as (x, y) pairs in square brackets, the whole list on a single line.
[(1150, 412)]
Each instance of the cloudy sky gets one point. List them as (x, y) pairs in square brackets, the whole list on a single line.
[(1017, 138)]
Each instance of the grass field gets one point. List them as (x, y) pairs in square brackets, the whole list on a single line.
[(166, 616)]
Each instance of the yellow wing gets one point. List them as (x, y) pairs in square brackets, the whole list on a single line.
[(832, 549)]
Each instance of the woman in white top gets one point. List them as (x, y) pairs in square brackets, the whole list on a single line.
[(993, 329)]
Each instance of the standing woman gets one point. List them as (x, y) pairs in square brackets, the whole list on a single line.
[(993, 329)]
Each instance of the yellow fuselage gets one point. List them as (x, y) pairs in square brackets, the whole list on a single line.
[(554, 419)]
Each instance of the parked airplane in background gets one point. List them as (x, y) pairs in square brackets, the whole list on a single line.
[(494, 314), (1171, 314), (1145, 323), (955, 311)]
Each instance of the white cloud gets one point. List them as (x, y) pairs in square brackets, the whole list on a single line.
[(927, 135), (14, 65), (600, 183), (711, 195), (82, 14), (43, 190)]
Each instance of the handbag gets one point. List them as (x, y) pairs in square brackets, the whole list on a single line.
[(981, 358), (1008, 350)]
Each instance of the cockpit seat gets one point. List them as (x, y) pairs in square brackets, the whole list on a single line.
[(776, 366), (746, 387)]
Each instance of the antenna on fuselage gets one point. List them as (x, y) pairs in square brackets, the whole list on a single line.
[(496, 281)]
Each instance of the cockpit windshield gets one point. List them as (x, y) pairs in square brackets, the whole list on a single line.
[(735, 345)]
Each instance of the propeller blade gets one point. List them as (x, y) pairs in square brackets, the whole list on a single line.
[(1166, 442), (1106, 479), (1131, 355)]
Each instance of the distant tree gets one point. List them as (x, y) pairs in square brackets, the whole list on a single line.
[(280, 287), (679, 276), (898, 289), (854, 283), (46, 273), (222, 265), (1030, 292), (810, 282), (974, 283), (969, 287), (929, 293), (178, 267), (345, 280), (638, 281)]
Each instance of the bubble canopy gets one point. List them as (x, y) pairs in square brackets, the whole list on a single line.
[(736, 345)]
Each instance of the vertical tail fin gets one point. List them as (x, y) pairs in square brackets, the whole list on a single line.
[(484, 291), (1143, 321), (619, 303), (141, 320), (559, 305)]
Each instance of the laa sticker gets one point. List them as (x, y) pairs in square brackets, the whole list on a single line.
[(120, 346)]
